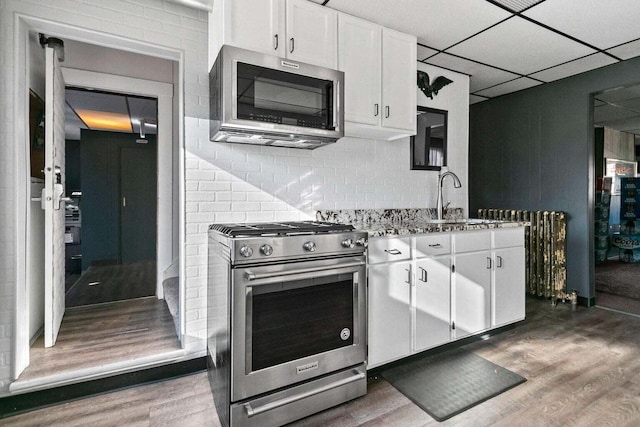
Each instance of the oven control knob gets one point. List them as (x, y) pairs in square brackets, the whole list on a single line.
[(309, 246), (246, 251), (362, 242), (348, 243), (266, 250)]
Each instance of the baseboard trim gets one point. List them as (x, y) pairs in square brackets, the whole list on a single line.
[(587, 302), (13, 405)]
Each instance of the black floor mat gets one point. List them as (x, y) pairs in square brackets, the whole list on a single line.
[(448, 383)]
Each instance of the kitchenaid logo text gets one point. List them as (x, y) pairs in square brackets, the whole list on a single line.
[(290, 65), (308, 367)]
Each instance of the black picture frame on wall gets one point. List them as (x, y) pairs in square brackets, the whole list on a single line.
[(429, 145)]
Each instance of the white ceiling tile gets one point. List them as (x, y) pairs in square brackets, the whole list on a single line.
[(425, 52), (521, 46), (608, 112), (625, 125), (518, 5), (96, 101), (626, 51), (508, 87), (602, 24), (474, 99), (574, 67), (482, 76), (632, 104), (436, 23), (619, 94)]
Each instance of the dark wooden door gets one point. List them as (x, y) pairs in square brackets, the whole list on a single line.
[(138, 203)]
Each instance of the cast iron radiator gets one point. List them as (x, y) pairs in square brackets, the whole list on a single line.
[(545, 248)]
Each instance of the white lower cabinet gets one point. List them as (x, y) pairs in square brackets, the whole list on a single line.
[(471, 291), (444, 287), (432, 302), (509, 286), (389, 300)]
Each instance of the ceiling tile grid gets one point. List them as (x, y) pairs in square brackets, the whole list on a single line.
[(510, 45)]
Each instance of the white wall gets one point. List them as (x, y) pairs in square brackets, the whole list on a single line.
[(453, 98), (224, 182)]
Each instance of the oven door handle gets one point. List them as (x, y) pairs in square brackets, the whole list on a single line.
[(251, 411), (257, 276)]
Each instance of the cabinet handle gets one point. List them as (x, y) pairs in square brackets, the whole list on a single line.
[(437, 245), (499, 261), (488, 263), (376, 109), (393, 252), (275, 42), (293, 45), (408, 270), (388, 110), (423, 275)]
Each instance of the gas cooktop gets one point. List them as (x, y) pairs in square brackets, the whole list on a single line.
[(280, 228)]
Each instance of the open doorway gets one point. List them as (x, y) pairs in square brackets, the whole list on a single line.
[(117, 199), (111, 176), (617, 210)]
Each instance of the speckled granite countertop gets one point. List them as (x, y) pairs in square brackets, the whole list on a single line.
[(395, 222)]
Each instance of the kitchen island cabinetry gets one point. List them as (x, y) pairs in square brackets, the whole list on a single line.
[(380, 93), (295, 29), (429, 289)]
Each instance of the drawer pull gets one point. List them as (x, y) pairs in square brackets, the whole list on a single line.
[(437, 245), (499, 263), (489, 263), (393, 252)]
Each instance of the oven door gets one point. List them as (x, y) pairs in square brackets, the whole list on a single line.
[(296, 321)]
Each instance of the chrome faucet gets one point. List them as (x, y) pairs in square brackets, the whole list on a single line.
[(456, 183)]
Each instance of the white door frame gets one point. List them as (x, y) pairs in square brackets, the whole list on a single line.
[(24, 24), (164, 93)]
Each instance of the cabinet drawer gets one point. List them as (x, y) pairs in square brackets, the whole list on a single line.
[(434, 244), (470, 241), (505, 238), (385, 250)]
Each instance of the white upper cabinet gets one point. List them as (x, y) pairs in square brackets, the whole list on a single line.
[(359, 56), (380, 79), (312, 33), (296, 29), (399, 70), (256, 25)]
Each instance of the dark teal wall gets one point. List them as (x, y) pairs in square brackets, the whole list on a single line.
[(533, 149)]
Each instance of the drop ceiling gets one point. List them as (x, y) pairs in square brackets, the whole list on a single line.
[(619, 109), (510, 45), (97, 110)]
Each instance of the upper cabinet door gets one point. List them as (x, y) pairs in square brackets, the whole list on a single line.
[(256, 25), (398, 80), (312, 33), (359, 54)]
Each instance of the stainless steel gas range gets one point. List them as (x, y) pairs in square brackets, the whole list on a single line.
[(286, 319)]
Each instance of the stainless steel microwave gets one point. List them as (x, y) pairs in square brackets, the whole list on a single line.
[(268, 100)]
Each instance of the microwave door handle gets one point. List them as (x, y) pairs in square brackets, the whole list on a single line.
[(336, 97)]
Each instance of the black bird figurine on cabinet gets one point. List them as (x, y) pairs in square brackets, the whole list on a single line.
[(430, 90)]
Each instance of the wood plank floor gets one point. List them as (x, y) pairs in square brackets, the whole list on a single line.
[(105, 333), (106, 283), (582, 369)]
